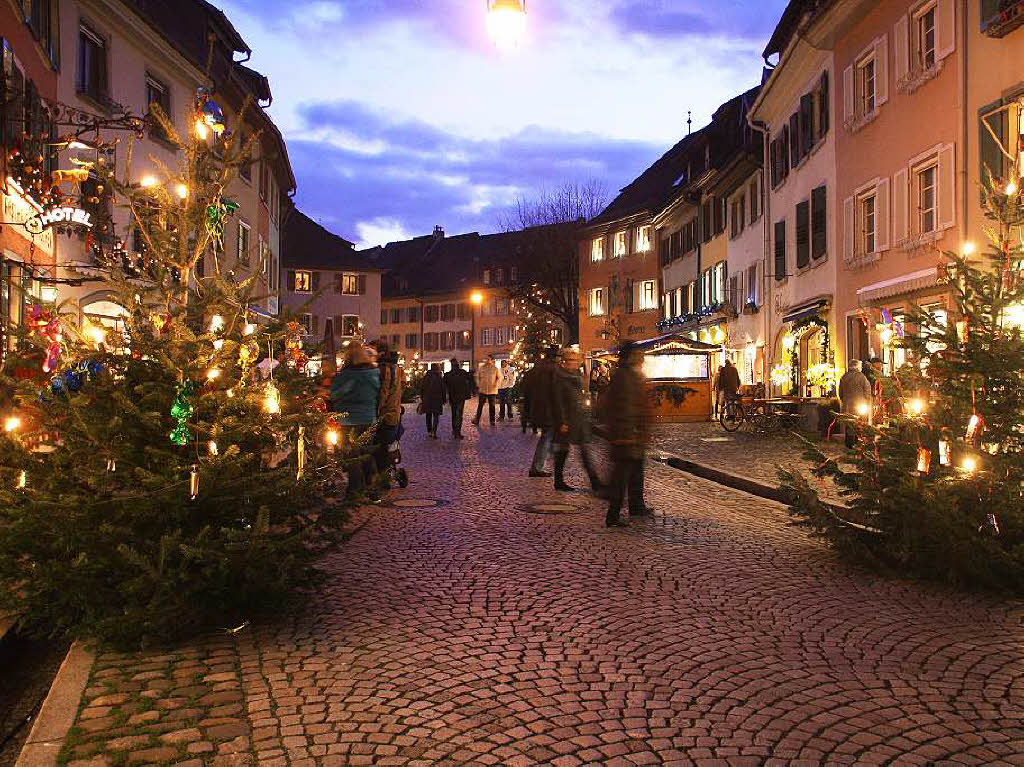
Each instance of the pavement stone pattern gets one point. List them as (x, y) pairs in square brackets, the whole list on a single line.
[(744, 453), (479, 633)]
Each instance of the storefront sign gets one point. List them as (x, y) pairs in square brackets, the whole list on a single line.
[(17, 210), (63, 215)]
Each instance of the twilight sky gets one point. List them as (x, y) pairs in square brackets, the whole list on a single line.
[(400, 114)]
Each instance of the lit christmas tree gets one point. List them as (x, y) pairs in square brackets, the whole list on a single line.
[(937, 487), (154, 480)]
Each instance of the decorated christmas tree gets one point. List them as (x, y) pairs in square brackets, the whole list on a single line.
[(538, 332), (936, 487), (170, 474)]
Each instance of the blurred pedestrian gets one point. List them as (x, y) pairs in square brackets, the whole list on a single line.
[(625, 414), (488, 382), (508, 380), (355, 390), (432, 398), (575, 426), (389, 403), (729, 382), (855, 395), (458, 387), (542, 391), (716, 387)]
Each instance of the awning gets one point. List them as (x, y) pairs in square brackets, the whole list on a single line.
[(806, 309), (908, 283), (677, 341)]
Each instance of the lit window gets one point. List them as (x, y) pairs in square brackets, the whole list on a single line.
[(350, 284), (620, 244), (487, 276), (597, 250), (866, 224), (350, 325), (597, 302), (306, 320), (643, 239), (303, 282), (647, 297), (243, 243), (926, 199)]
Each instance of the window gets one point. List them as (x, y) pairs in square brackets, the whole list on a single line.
[(803, 234), (500, 336), (779, 156), (819, 222), (487, 337), (487, 276), (597, 250), (707, 220), (926, 199), (412, 341), (464, 340), (448, 341), (158, 93), (739, 216), (243, 243), (997, 116), (42, 18), (866, 224), (302, 282), (499, 276), (647, 296), (866, 85), (780, 250), (755, 199), (752, 285), (396, 316), (596, 302), (245, 169), (308, 322), (430, 313), (924, 52), (643, 239), (447, 312), (501, 306), (92, 65), (395, 340), (734, 292), (350, 325), (412, 314), (430, 342), (348, 284), (383, 316), (620, 245), (464, 311)]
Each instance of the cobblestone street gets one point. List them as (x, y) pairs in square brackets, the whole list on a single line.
[(461, 625)]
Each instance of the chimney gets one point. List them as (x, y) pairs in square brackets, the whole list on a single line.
[(438, 232)]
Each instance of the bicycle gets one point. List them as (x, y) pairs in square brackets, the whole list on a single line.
[(760, 419), (733, 415)]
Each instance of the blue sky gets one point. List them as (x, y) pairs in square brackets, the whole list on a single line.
[(401, 114)]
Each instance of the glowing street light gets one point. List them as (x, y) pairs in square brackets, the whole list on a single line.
[(506, 22), (476, 297)]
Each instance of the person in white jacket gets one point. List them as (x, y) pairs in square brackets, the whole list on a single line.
[(488, 382), (508, 380)]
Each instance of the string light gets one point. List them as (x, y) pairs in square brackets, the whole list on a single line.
[(272, 400), (213, 374), (182, 191), (218, 344), (1011, 189), (249, 329), (212, 448), (12, 423), (916, 406), (147, 182), (969, 464), (332, 437), (968, 248), (22, 480), (216, 323)]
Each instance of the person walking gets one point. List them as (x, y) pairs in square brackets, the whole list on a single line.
[(625, 414), (575, 426), (389, 403), (855, 396), (432, 398), (542, 392), (716, 387), (729, 382), (488, 382), (508, 380), (354, 394), (458, 387), (524, 400)]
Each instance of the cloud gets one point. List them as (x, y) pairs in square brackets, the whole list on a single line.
[(381, 177), (743, 19)]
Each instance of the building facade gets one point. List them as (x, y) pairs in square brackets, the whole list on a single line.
[(29, 39), (334, 292)]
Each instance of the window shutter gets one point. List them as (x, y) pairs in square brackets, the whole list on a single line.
[(947, 186), (291, 279), (824, 105), (780, 250), (848, 99), (882, 215), (794, 140), (819, 222), (807, 136), (945, 28), (991, 155), (339, 280), (803, 234), (849, 230), (881, 70), (773, 161), (900, 195), (316, 281), (316, 323), (901, 42), (361, 284)]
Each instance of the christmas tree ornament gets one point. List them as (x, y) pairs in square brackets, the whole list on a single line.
[(945, 452), (975, 428), (271, 399), (924, 461), (22, 480), (181, 411), (300, 452), (111, 465), (193, 482), (216, 323)]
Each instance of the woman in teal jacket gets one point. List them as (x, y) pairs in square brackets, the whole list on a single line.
[(354, 391)]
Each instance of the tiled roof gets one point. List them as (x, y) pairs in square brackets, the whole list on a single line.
[(306, 244), (671, 174)]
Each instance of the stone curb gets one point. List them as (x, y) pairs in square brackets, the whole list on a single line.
[(58, 712)]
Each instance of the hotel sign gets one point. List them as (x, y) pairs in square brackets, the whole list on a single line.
[(40, 222)]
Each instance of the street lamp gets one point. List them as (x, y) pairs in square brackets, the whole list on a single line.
[(476, 299), (506, 22)]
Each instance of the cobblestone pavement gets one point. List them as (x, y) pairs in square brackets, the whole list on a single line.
[(477, 631), (744, 453)]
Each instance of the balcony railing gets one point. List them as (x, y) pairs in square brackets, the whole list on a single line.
[(1009, 17)]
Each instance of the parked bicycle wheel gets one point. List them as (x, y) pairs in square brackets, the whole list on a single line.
[(732, 416)]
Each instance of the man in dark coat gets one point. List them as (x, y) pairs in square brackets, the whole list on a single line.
[(625, 414), (542, 389), (575, 429), (729, 381), (458, 387), (432, 398)]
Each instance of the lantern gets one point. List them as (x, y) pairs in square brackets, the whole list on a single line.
[(506, 22)]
